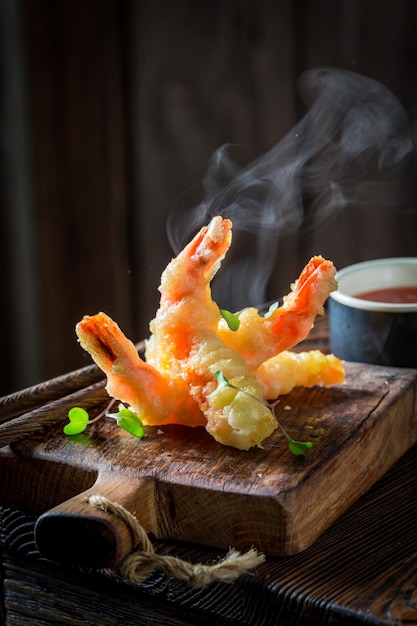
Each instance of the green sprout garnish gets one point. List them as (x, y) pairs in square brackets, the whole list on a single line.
[(271, 309), (222, 382), (127, 419), (298, 448), (78, 421), (232, 319)]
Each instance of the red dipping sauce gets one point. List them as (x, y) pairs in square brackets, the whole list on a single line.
[(396, 295)]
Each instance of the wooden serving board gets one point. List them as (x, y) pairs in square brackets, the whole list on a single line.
[(182, 485)]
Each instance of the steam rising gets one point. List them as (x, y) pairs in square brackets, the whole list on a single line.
[(353, 147)]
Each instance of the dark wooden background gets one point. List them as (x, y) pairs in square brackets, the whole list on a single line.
[(111, 109)]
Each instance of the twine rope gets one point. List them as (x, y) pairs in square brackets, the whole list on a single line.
[(140, 564)]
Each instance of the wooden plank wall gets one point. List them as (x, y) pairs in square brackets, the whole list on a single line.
[(207, 74), (127, 100), (79, 167), (76, 100), (212, 73)]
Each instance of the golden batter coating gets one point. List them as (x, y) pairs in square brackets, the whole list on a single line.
[(190, 341)]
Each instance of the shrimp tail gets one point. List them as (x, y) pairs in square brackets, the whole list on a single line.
[(197, 264), (186, 301), (308, 295), (260, 338), (156, 398)]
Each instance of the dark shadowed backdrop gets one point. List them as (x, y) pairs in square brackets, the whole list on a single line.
[(112, 112)]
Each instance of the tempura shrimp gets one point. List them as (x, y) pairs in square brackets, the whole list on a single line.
[(155, 397), (234, 418), (185, 343), (287, 370), (260, 338), (186, 301), (190, 343)]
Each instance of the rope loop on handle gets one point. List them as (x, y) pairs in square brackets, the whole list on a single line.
[(140, 564)]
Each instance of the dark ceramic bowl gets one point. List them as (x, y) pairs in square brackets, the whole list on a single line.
[(382, 333)]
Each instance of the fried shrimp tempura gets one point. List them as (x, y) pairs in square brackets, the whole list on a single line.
[(259, 338), (287, 370), (190, 342), (186, 303), (160, 399), (233, 417), (185, 342)]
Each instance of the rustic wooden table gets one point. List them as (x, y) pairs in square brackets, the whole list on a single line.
[(362, 570)]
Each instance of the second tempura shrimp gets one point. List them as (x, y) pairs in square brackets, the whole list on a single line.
[(287, 370), (155, 397), (260, 338), (186, 301), (185, 343)]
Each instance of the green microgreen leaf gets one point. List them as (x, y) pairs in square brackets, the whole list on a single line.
[(222, 381), (78, 421), (129, 421), (232, 319), (296, 447), (271, 309), (299, 447), (125, 418), (224, 393)]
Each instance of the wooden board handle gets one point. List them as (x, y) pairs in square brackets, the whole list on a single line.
[(77, 533)]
